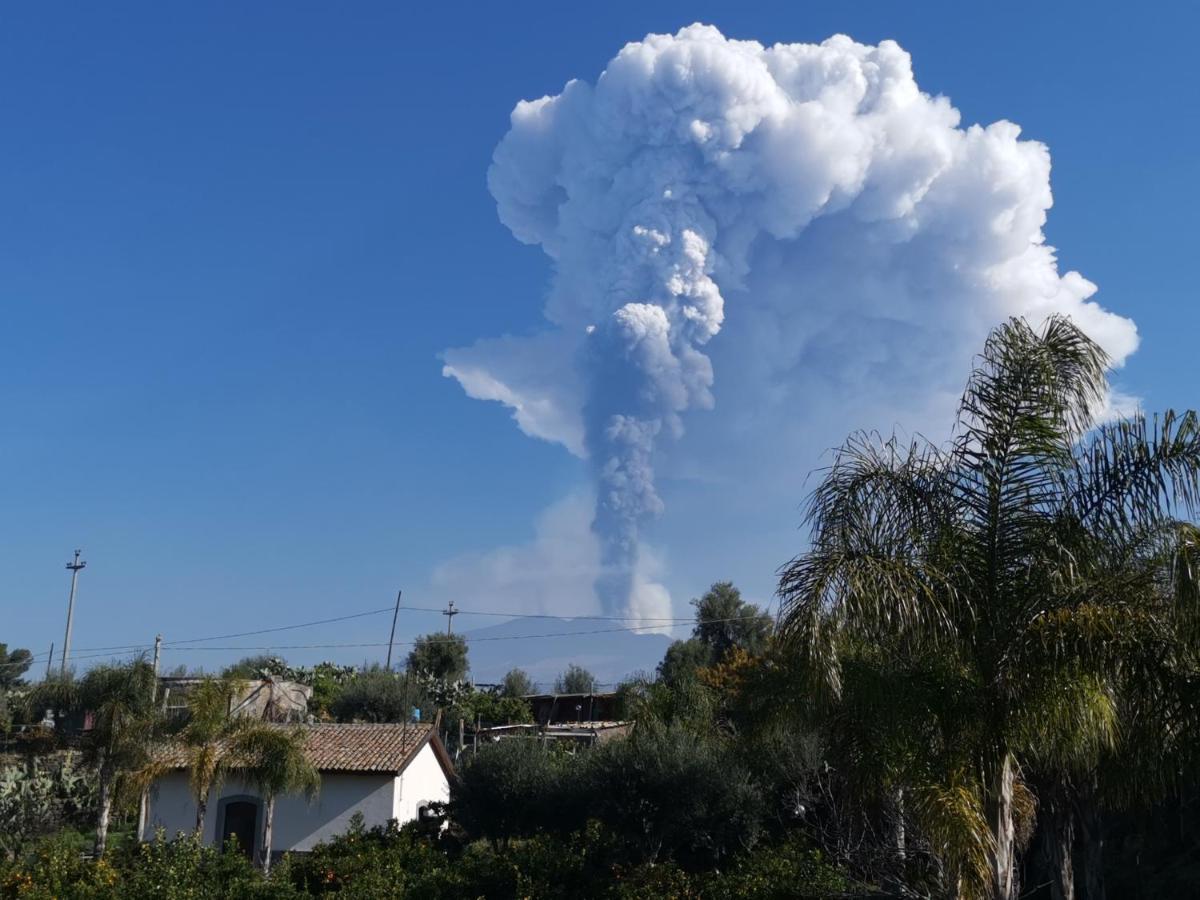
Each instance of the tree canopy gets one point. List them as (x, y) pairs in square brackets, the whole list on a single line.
[(374, 695), (984, 608), (724, 621), (439, 656), (13, 664), (516, 683), (575, 680)]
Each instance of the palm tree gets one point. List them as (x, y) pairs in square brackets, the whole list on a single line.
[(980, 577), (206, 737), (125, 725), (273, 759)]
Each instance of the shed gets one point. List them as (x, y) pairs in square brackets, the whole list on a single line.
[(379, 771)]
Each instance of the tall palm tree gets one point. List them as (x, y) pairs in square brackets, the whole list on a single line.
[(206, 737), (273, 759), (980, 577), (125, 726)]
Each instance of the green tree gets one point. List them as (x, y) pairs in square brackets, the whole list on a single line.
[(724, 621), (575, 680), (975, 577), (373, 695), (517, 788), (13, 664), (206, 736), (491, 708), (669, 791), (125, 727), (439, 656), (683, 660), (517, 683), (273, 759)]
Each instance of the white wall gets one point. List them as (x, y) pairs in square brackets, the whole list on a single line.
[(422, 782), (299, 824)]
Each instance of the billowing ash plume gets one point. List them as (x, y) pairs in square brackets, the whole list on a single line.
[(814, 185)]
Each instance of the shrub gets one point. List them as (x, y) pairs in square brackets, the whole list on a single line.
[(375, 695), (671, 793), (517, 788)]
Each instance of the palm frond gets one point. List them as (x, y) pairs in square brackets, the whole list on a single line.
[(1136, 472), (951, 816), (1067, 721), (867, 573)]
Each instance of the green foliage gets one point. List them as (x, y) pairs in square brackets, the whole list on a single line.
[(575, 680), (724, 621), (375, 695), (684, 660), (439, 656), (274, 762), (42, 795), (490, 708), (160, 870), (327, 681), (325, 678), (253, 667), (996, 604), (665, 793), (668, 792), (517, 788), (126, 724), (13, 664), (793, 869), (517, 683), (411, 863)]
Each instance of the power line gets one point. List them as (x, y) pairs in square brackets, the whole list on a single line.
[(666, 623), (512, 615), (224, 637), (505, 637)]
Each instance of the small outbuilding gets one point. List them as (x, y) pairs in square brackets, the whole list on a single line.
[(379, 771)]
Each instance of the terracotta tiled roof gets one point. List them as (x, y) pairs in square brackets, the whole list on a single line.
[(347, 748)]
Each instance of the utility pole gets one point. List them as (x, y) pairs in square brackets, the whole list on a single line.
[(66, 652), (449, 612), (392, 636), (157, 656), (50, 660)]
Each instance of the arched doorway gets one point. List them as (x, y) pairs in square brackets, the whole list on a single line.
[(239, 818)]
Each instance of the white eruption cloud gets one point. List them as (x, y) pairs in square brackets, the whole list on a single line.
[(859, 240)]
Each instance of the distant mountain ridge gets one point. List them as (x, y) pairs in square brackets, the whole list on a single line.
[(545, 647)]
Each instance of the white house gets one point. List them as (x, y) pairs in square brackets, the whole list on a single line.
[(381, 771)]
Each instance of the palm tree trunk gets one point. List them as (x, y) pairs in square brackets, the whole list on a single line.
[(1058, 833), (899, 835), (1093, 847), (143, 814), (1004, 862), (268, 828), (106, 801), (201, 812)]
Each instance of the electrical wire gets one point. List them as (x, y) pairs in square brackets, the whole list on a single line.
[(178, 646)]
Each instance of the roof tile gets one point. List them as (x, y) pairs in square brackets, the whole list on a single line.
[(345, 748)]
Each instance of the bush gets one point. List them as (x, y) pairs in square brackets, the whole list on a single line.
[(42, 795), (793, 869), (517, 683), (489, 708), (575, 680), (375, 695), (181, 869), (670, 793), (517, 788)]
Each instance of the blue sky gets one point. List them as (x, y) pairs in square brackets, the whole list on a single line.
[(236, 238)]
